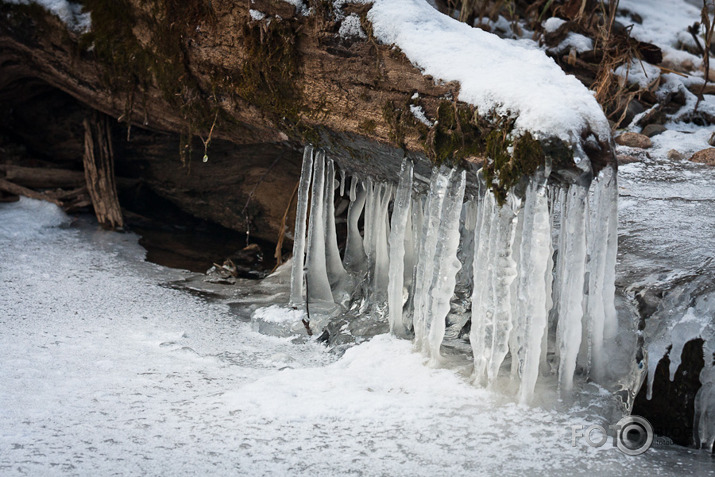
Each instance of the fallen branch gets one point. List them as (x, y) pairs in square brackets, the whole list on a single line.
[(7, 186)]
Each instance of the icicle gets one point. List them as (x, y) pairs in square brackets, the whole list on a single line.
[(517, 337), (533, 291), (334, 265), (317, 274), (296, 276), (354, 252), (599, 262), (398, 228), (446, 266), (483, 244), (342, 182), (504, 272), (381, 231), (425, 265), (572, 256), (704, 416)]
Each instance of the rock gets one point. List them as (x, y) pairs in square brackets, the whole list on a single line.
[(711, 141), (653, 115), (671, 409), (633, 109), (626, 159), (674, 155), (706, 156), (653, 130), (632, 139)]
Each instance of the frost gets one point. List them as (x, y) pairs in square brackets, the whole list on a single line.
[(256, 15), (350, 28), (419, 114)]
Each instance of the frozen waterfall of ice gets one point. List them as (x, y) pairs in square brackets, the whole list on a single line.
[(535, 275)]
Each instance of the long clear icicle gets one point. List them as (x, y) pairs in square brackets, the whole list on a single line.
[(318, 285), (504, 273), (533, 288), (398, 231), (354, 251), (446, 266), (301, 213), (482, 253), (334, 264), (572, 258), (425, 266)]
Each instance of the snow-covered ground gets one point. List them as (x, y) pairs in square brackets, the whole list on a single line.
[(106, 370)]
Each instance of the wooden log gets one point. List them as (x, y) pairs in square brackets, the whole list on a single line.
[(42, 177), (99, 172), (9, 187)]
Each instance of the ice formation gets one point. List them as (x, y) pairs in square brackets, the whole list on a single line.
[(535, 275)]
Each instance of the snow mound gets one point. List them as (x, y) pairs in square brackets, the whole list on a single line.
[(497, 75)]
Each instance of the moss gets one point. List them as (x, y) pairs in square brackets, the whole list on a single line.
[(455, 135), (367, 126), (393, 117), (268, 77), (504, 170), (130, 68)]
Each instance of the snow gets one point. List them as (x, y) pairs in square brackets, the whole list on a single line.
[(664, 21), (552, 24), (300, 6), (70, 13), (494, 74), (256, 15), (638, 72), (419, 114), (106, 370), (575, 41), (351, 28)]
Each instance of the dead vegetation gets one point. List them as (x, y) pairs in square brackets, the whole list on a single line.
[(614, 49)]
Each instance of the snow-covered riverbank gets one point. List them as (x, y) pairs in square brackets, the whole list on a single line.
[(106, 371)]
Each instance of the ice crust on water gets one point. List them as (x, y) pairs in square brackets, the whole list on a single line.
[(422, 258), (130, 376)]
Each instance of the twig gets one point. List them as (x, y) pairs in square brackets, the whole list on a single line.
[(279, 244), (306, 322), (708, 24)]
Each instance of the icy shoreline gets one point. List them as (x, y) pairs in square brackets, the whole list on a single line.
[(105, 370)]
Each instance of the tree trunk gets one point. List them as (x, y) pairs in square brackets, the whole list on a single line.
[(99, 172)]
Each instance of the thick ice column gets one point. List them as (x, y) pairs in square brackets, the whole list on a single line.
[(534, 289), (354, 252), (481, 313), (381, 231), (398, 228), (600, 299), (446, 266), (425, 265), (296, 276), (572, 258), (336, 272), (318, 285), (504, 273)]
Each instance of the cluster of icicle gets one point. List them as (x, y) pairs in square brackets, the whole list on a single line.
[(416, 249)]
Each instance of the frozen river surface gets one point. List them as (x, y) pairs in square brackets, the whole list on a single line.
[(105, 370)]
